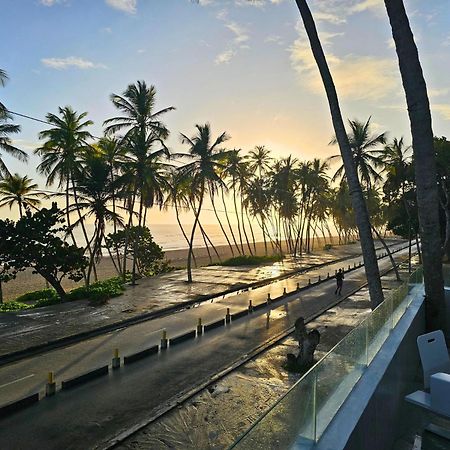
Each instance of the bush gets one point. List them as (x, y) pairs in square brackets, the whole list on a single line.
[(47, 302), (35, 296), (13, 306), (251, 260), (98, 292), (327, 247)]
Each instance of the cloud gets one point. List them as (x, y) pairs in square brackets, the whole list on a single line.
[(275, 39), (438, 92), (128, 6), (356, 77), (443, 109), (239, 32), (342, 9), (225, 57), (71, 61), (51, 2), (107, 30)]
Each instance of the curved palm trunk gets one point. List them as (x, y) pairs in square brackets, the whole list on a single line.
[(118, 265), (237, 217), (127, 239), (251, 229), (229, 223), (425, 164), (244, 230), (206, 237), (220, 224), (191, 241), (133, 273), (177, 214), (358, 202), (386, 247)]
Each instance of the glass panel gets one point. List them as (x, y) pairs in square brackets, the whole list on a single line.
[(399, 304), (378, 328), (337, 374), (292, 420)]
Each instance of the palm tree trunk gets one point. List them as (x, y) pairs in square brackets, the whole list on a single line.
[(177, 214), (251, 230), (229, 223), (127, 236), (425, 164), (206, 237), (220, 224), (237, 217), (358, 202), (386, 247), (191, 242), (133, 273)]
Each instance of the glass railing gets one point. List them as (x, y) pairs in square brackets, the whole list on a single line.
[(304, 412)]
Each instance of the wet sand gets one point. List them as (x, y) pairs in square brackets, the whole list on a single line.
[(26, 281)]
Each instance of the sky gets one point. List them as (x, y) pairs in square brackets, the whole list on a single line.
[(245, 67)]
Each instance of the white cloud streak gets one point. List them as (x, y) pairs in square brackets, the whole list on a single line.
[(71, 62), (128, 6)]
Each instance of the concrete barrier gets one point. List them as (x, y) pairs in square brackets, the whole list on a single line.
[(261, 305), (239, 314), (183, 337), (85, 377), (140, 355), (213, 325), (18, 405)]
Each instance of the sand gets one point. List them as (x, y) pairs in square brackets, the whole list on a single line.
[(26, 281)]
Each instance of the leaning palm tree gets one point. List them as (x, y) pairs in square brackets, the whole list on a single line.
[(3, 80), (15, 189), (425, 161), (259, 160), (203, 171), (6, 129), (358, 202), (143, 128), (61, 154), (365, 148)]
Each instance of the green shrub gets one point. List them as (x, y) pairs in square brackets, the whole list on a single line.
[(35, 296), (98, 292), (327, 247), (47, 302), (245, 260), (13, 306)]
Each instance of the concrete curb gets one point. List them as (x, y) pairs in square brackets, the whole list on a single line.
[(18, 405), (213, 325), (85, 377), (72, 339), (140, 355), (183, 337)]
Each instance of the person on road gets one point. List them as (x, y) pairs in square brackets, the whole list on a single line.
[(339, 282)]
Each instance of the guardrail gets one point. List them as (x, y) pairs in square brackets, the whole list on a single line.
[(304, 412)]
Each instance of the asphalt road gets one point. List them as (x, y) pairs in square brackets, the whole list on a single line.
[(90, 415)]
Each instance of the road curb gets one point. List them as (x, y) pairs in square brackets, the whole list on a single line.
[(84, 378), (18, 405)]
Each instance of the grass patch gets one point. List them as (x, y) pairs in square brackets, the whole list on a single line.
[(246, 260)]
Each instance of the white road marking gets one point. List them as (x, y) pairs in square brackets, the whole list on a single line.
[(16, 381)]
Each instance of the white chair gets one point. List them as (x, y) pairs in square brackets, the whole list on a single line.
[(433, 355)]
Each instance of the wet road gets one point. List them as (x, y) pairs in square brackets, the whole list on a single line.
[(72, 419)]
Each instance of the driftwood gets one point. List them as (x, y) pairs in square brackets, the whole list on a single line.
[(307, 343)]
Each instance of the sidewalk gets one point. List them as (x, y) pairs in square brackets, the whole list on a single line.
[(152, 296)]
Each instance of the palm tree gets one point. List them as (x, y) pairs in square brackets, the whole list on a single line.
[(203, 172), (65, 143), (6, 129), (425, 163), (95, 191), (365, 152), (143, 129), (15, 189), (259, 160), (358, 202)]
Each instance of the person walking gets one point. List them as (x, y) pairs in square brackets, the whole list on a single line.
[(339, 282)]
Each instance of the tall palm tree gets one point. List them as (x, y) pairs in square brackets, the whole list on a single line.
[(143, 129), (15, 189), (95, 191), (259, 159), (61, 155), (358, 202), (425, 162), (203, 171), (365, 151), (6, 129)]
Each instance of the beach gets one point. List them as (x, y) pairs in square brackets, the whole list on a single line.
[(26, 281)]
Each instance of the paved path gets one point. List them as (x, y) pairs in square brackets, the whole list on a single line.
[(21, 330), (72, 420)]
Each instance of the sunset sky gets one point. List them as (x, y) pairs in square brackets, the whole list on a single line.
[(245, 68)]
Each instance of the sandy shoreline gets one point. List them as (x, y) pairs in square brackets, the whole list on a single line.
[(27, 281)]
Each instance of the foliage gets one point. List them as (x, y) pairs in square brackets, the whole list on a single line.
[(252, 260), (33, 242), (99, 291), (149, 255), (34, 296), (13, 306), (327, 247)]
